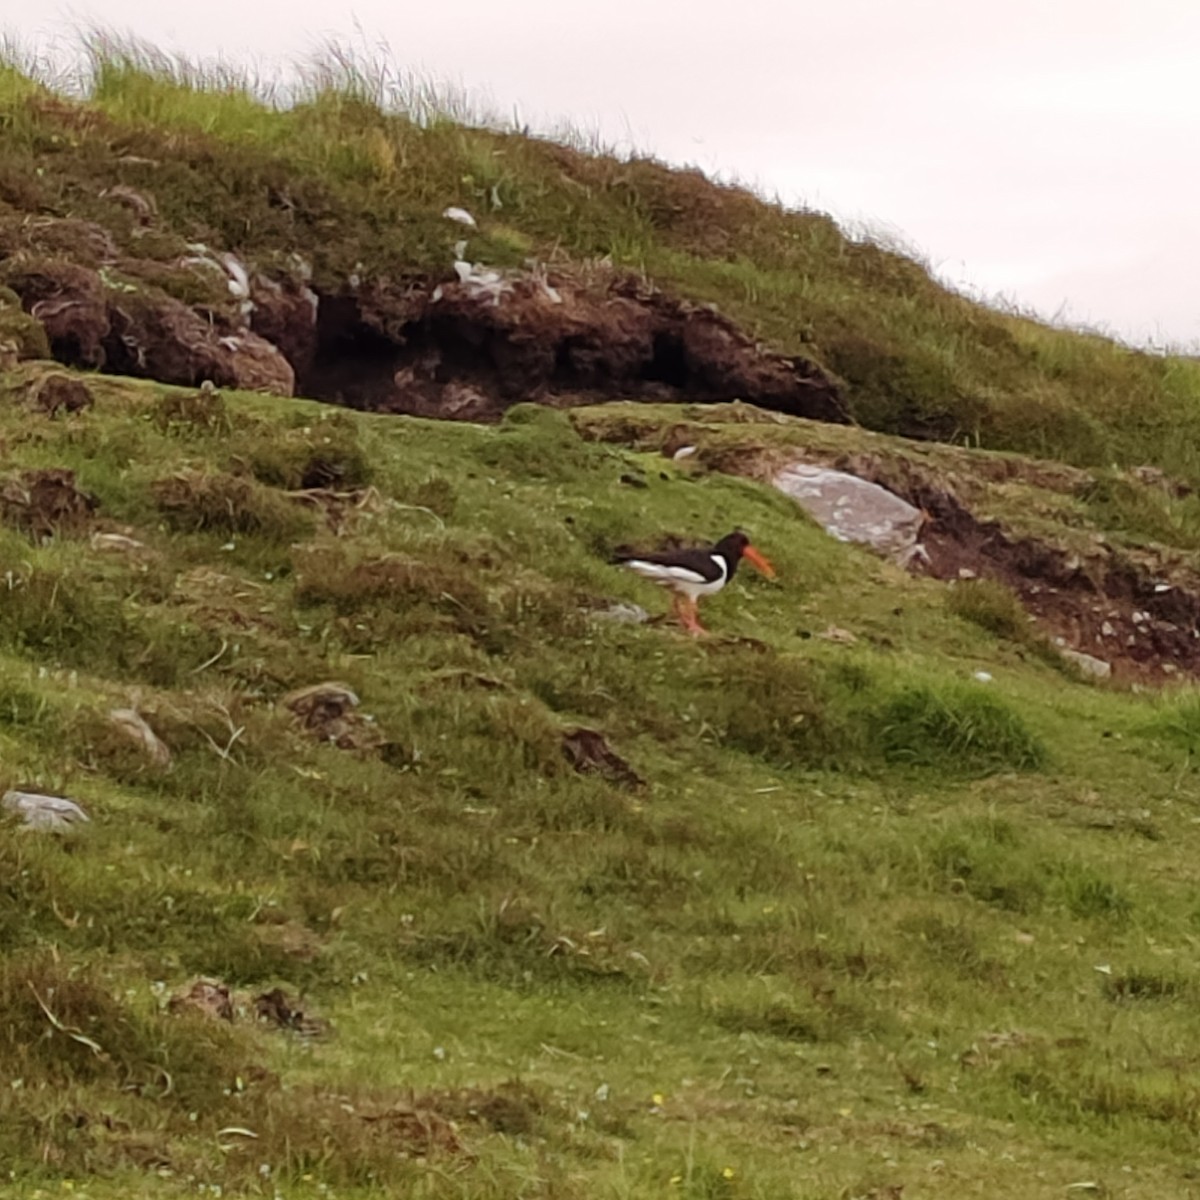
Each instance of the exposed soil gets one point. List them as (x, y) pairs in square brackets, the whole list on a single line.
[(590, 754), (209, 997), (328, 712), (469, 351), (279, 1009), (463, 348), (55, 393), (1138, 610), (46, 502)]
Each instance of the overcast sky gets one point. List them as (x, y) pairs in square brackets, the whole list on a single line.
[(1043, 150)]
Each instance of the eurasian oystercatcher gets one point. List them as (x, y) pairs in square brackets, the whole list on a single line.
[(692, 573)]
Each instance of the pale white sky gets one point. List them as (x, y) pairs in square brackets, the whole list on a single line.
[(1046, 150)]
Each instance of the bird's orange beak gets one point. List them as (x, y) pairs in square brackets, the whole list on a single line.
[(757, 561)]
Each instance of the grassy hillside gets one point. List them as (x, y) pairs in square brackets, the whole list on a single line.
[(358, 191), (850, 921), (866, 894)]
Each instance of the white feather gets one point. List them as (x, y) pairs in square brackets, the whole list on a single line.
[(680, 579)]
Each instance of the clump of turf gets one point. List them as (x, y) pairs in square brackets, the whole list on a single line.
[(957, 729), (216, 502), (202, 413)]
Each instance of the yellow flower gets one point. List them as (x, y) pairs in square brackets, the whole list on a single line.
[(658, 1098), (728, 1172), (676, 1179)]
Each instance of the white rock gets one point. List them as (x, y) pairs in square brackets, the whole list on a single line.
[(1097, 668), (623, 614), (982, 677), (116, 541), (133, 725), (48, 814), (853, 510), (453, 213)]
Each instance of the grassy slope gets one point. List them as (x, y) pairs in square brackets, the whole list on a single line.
[(360, 191), (845, 955), (870, 924)]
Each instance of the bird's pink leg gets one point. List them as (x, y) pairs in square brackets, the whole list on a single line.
[(690, 618)]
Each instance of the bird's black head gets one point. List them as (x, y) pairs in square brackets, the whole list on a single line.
[(735, 546), (732, 546)]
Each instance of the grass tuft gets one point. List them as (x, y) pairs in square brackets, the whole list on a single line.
[(958, 729)]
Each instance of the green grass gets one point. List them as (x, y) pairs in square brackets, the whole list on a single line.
[(867, 922), (865, 915)]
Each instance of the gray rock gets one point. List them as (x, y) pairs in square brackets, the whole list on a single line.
[(1095, 668), (853, 510), (623, 614), (47, 814)]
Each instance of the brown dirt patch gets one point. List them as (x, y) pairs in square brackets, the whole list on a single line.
[(208, 997), (513, 1108), (71, 303), (420, 1131), (154, 336), (43, 503), (590, 754), (1136, 609), (327, 712), (57, 393), (199, 501), (282, 1011), (464, 348), (463, 351)]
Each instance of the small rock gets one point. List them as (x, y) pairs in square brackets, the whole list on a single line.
[(623, 614), (982, 677), (966, 573), (454, 213), (843, 637), (1097, 668), (131, 723), (116, 542), (47, 814)]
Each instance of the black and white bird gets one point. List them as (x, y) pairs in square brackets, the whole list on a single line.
[(695, 572)]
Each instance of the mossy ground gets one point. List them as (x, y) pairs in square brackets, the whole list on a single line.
[(869, 923)]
